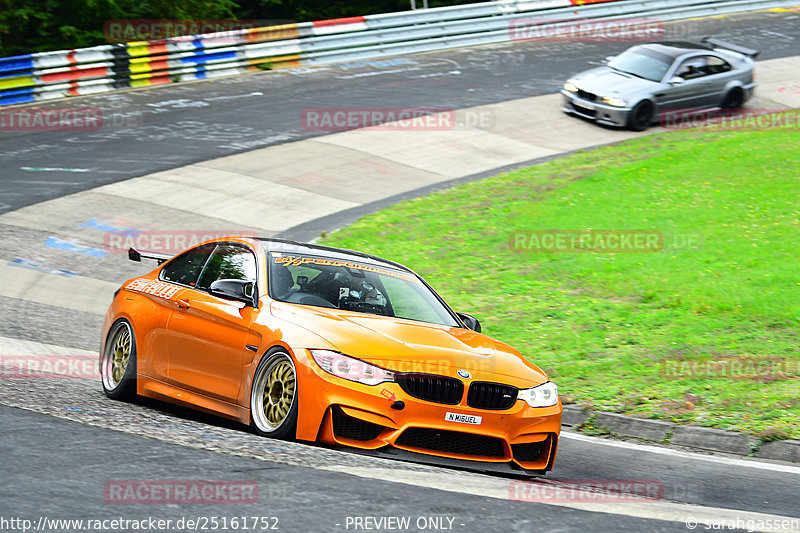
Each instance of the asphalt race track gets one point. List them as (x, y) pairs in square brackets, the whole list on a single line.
[(63, 442), (302, 499), (174, 126)]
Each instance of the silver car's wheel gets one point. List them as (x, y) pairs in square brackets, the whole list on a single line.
[(734, 99), (641, 116), (118, 362), (273, 398)]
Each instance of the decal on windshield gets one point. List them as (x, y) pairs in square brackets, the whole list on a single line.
[(297, 260)]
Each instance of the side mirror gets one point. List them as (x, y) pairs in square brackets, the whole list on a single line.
[(608, 59), (235, 289), (677, 80), (470, 321)]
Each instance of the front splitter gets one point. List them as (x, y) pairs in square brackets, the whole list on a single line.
[(507, 468)]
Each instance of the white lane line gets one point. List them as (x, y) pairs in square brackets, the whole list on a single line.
[(504, 490), (55, 169), (10, 346), (730, 461)]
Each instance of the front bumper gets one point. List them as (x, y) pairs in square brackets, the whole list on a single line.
[(593, 110), (368, 418)]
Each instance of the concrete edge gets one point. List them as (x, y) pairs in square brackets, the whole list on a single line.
[(313, 229), (671, 434)]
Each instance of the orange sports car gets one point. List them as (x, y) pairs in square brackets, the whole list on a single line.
[(330, 346)]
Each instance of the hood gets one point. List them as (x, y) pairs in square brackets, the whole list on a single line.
[(605, 81), (410, 346)]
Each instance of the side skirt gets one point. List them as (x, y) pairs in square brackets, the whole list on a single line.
[(158, 390)]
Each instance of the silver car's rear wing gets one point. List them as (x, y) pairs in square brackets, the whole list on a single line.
[(724, 45), (136, 255)]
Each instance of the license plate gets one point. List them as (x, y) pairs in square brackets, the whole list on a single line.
[(463, 419), (585, 105)]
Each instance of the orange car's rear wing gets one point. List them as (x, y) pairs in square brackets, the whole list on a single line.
[(136, 255), (724, 45)]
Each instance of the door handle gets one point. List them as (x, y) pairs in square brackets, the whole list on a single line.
[(183, 304)]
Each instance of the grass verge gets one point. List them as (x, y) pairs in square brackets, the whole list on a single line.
[(704, 331)]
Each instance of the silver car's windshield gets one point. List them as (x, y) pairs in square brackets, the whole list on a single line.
[(642, 63)]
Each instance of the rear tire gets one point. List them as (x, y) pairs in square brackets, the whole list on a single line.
[(273, 397), (734, 99), (641, 116), (118, 364)]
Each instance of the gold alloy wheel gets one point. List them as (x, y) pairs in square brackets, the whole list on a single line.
[(279, 392), (274, 393), (117, 355)]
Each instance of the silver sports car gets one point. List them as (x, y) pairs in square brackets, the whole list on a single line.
[(644, 83)]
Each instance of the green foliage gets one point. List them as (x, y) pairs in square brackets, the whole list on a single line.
[(43, 25), (305, 10)]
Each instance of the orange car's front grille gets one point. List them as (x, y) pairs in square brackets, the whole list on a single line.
[(453, 442), (483, 395), (432, 388), (347, 427)]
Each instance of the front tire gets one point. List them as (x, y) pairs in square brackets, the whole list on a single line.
[(641, 116), (118, 364), (273, 398)]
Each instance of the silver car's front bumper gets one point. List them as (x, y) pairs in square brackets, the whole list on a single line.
[(593, 110)]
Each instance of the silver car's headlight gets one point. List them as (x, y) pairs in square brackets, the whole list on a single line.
[(350, 368), (613, 100), (545, 395), (569, 86)]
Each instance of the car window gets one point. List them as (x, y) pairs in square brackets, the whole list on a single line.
[(229, 261), (692, 68), (351, 285), (642, 62), (715, 65), (409, 303), (185, 268)]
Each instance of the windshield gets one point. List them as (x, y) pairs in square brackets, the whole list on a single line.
[(354, 286), (643, 63)]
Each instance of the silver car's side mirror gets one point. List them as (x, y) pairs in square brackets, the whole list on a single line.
[(677, 80), (608, 59)]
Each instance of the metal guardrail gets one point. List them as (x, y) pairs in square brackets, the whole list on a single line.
[(50, 75)]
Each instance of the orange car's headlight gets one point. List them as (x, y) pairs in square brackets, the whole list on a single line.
[(544, 395), (350, 368)]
